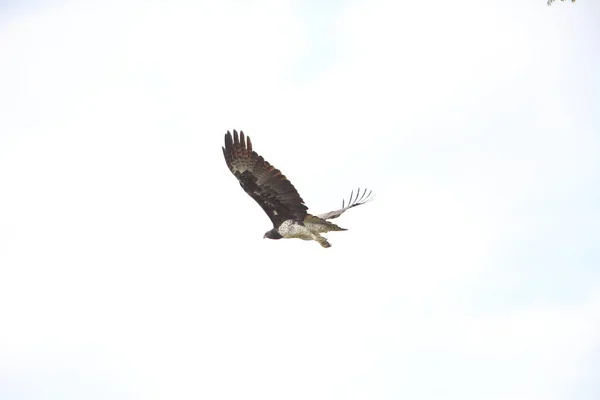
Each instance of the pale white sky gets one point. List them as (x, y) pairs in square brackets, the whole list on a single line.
[(132, 265)]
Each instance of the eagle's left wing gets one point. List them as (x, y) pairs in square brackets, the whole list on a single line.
[(263, 182), (357, 201)]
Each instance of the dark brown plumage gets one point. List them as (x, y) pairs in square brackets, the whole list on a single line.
[(263, 182)]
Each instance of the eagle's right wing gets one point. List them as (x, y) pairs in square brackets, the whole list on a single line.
[(263, 182), (357, 201)]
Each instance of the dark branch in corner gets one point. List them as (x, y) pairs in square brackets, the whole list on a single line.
[(552, 1)]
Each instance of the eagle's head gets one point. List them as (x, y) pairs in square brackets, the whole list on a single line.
[(272, 234)]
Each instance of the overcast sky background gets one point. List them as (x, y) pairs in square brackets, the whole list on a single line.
[(132, 265)]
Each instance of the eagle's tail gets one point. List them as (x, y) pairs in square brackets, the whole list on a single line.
[(320, 225)]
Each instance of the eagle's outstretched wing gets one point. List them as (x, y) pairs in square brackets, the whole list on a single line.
[(357, 201), (263, 182)]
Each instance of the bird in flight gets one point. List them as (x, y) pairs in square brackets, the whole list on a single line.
[(278, 197)]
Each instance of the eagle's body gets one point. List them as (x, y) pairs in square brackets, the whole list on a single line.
[(277, 196), (310, 229), (291, 229)]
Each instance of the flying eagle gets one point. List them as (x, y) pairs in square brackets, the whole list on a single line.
[(278, 197)]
